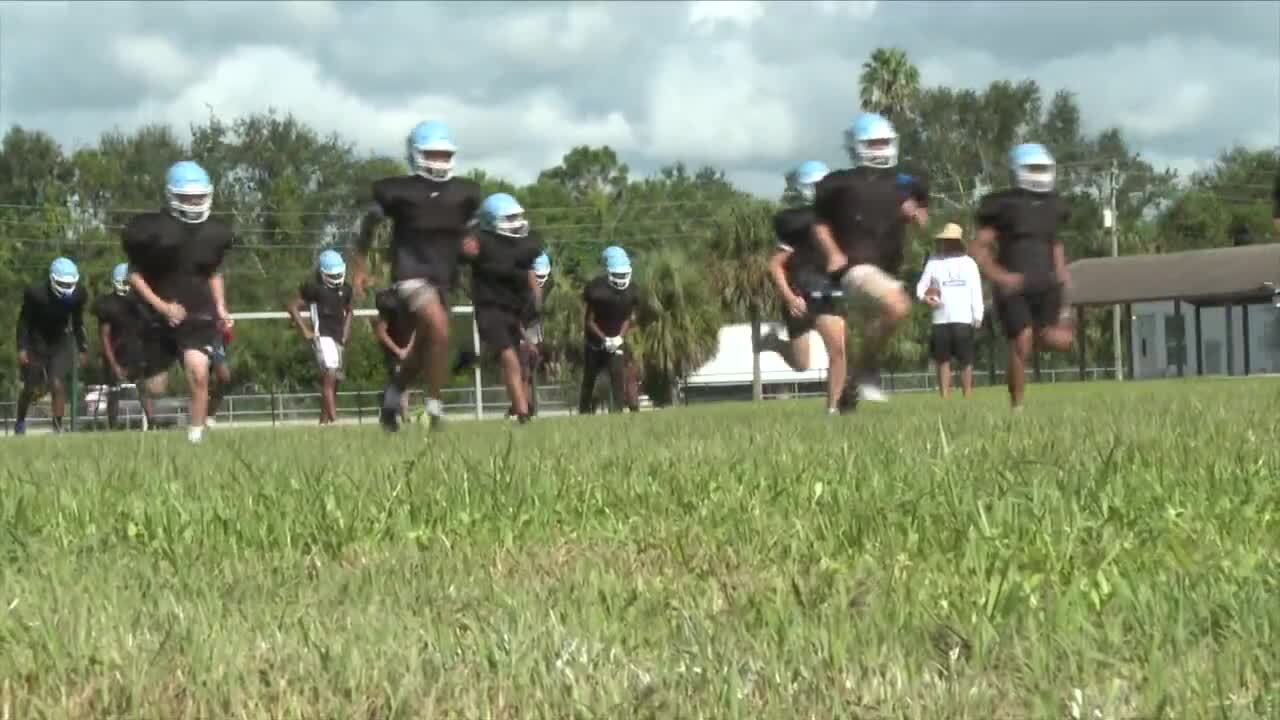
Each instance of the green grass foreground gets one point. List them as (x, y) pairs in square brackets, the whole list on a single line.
[(1111, 553)]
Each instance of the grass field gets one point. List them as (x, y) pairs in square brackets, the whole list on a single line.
[(1111, 553)]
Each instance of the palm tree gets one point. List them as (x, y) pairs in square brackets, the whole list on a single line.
[(678, 321), (889, 84), (739, 250)]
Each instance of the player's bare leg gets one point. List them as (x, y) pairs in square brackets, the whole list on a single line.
[(430, 354), (894, 306), (328, 397), (944, 379), (831, 328), (1019, 350), (218, 384), (153, 387), (509, 360), (30, 392), (57, 402), (966, 380), (195, 365)]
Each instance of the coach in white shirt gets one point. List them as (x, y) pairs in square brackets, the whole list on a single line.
[(952, 286)]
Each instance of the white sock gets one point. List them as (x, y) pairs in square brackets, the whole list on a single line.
[(195, 433), (434, 407)]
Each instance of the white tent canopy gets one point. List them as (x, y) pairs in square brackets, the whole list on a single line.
[(732, 362)]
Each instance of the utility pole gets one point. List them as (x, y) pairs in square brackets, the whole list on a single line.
[(1114, 221)]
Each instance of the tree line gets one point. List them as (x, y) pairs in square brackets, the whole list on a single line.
[(699, 243)]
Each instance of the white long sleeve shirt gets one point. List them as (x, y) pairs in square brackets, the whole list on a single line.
[(960, 283)]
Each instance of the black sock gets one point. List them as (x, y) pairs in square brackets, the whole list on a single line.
[(57, 422)]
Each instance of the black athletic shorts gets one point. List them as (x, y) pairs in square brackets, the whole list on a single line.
[(807, 285), (952, 341), (1037, 309), (49, 363), (814, 308), (164, 345), (499, 328)]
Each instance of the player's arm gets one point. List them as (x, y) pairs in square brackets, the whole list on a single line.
[(144, 291), (108, 352), (981, 252), (24, 330), (219, 292), (825, 240), (1060, 264), (294, 307), (380, 331), (366, 227), (592, 327), (77, 329), (777, 265), (925, 277), (346, 324)]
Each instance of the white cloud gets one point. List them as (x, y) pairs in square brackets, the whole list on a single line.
[(705, 15), (517, 144), (153, 59), (720, 106)]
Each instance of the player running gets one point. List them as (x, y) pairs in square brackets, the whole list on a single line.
[(531, 347), (610, 302), (175, 257), (862, 214), (430, 210), (121, 321), (393, 328), (1029, 266), (327, 295), (502, 287), (50, 338), (811, 301)]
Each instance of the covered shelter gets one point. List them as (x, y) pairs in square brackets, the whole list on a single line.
[(1224, 294)]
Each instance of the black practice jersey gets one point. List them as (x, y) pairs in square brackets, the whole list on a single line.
[(863, 207), (610, 306), (331, 304), (176, 258), (127, 318), (794, 230), (429, 220), (45, 320), (500, 271), (1026, 226)]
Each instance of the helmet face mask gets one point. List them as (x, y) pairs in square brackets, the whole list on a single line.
[(332, 269), (620, 279), (872, 142), (120, 279), (431, 151), (513, 225), (189, 192), (64, 277), (1033, 168)]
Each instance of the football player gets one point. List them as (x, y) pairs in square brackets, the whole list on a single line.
[(50, 338), (501, 288), (327, 295), (219, 373), (531, 348), (610, 303), (430, 210), (809, 298), (861, 219), (1018, 250), (394, 328), (175, 259), (121, 322)]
